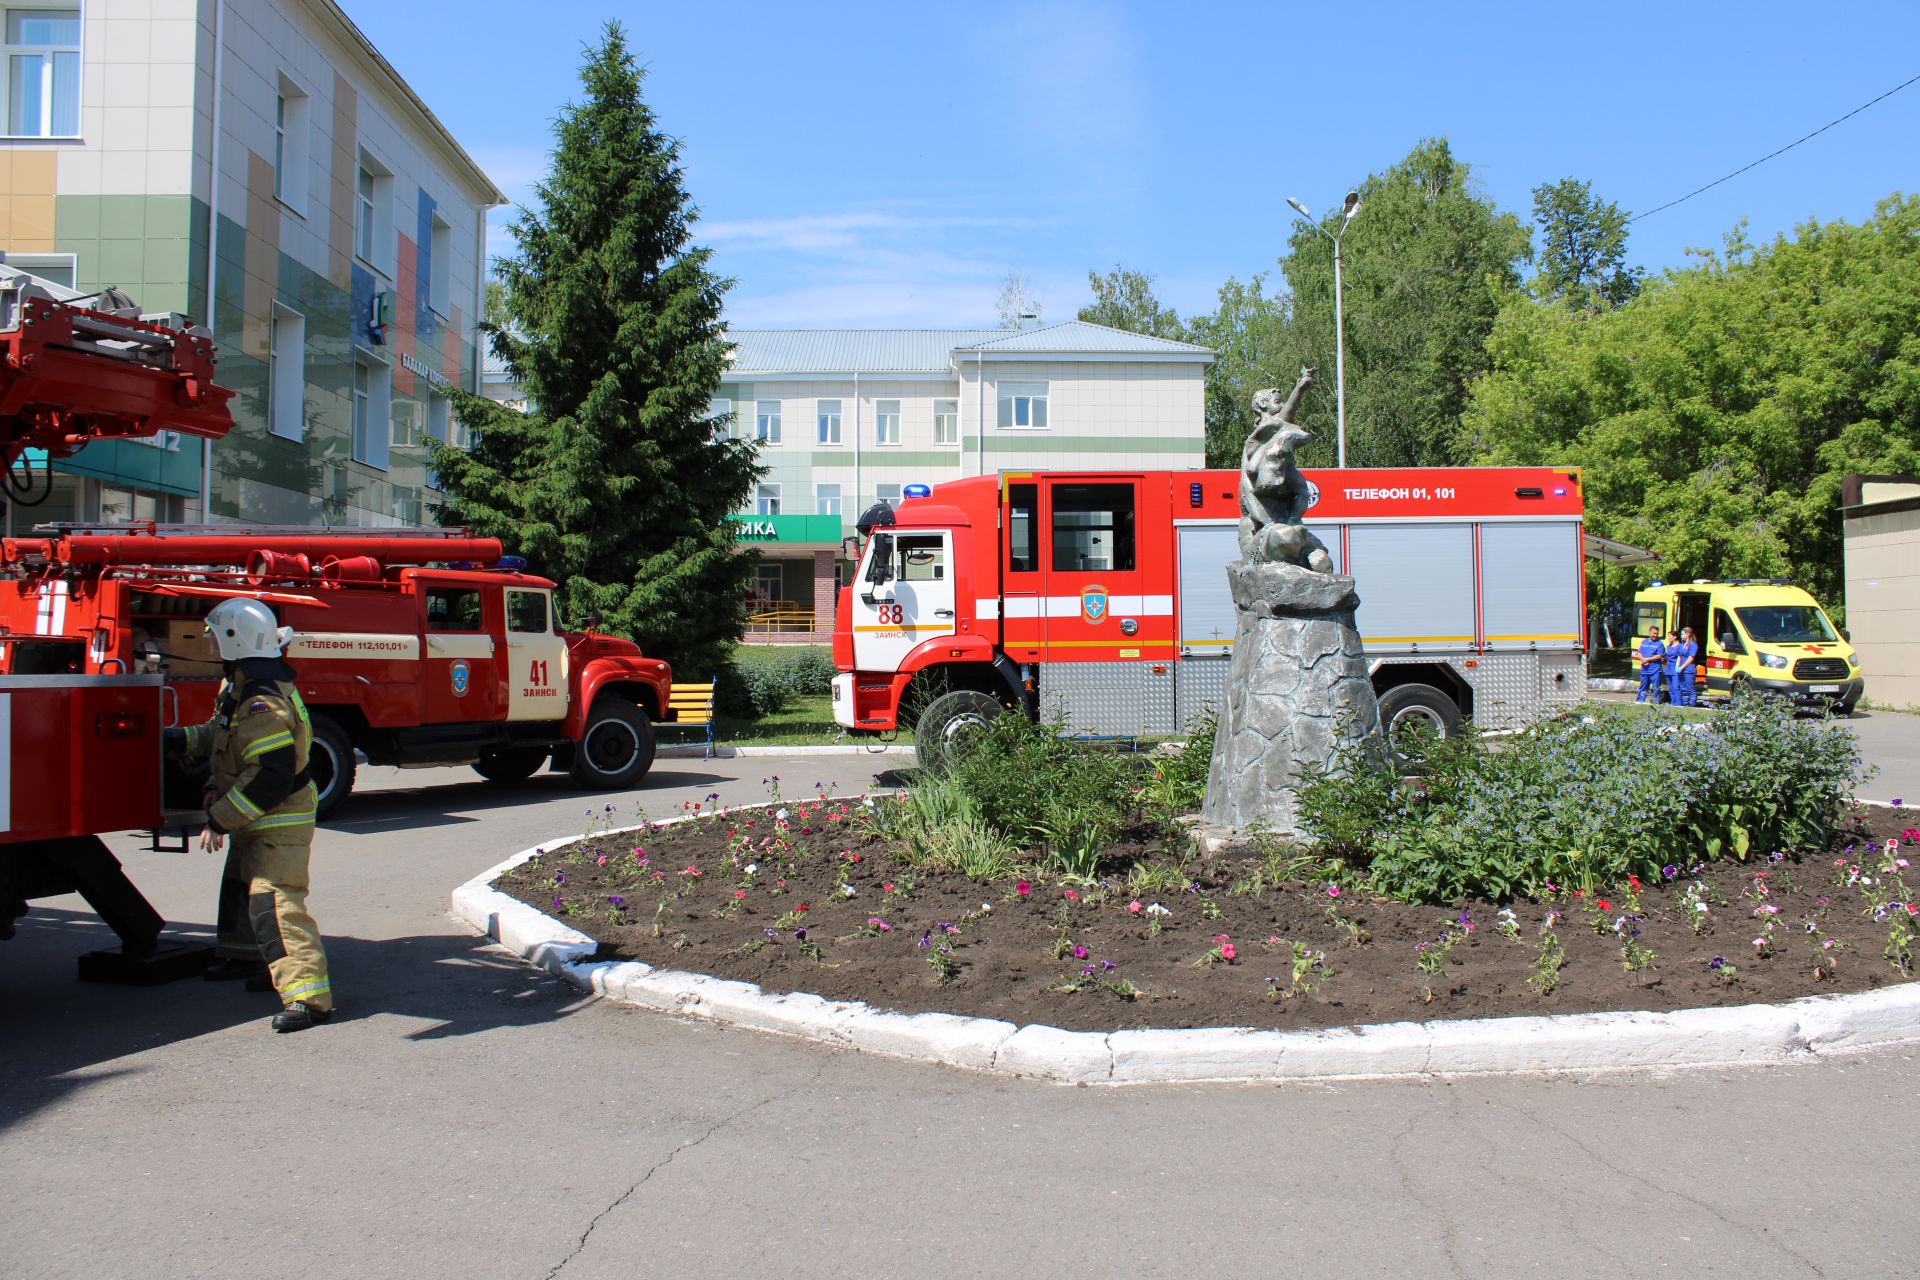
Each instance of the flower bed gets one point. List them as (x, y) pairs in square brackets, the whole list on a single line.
[(849, 900)]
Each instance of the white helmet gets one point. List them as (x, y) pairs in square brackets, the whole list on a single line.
[(245, 628)]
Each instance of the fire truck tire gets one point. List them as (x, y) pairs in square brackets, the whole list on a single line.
[(616, 748), (331, 764), (510, 766), (949, 719), (1410, 703)]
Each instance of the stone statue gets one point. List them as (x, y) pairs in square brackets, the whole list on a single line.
[(1298, 688), (1274, 496)]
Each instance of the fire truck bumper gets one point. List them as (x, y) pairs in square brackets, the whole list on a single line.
[(867, 703), (843, 701)]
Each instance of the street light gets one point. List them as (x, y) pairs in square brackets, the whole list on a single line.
[(1349, 208)]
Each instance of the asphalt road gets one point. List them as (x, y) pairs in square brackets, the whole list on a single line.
[(468, 1117)]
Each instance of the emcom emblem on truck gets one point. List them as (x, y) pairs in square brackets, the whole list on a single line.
[(459, 672), (1093, 603)]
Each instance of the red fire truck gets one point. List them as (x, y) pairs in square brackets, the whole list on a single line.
[(80, 753), (1102, 597), (414, 647)]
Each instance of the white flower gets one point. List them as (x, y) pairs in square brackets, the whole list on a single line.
[(867, 801), (780, 814), (1701, 907), (1157, 910), (847, 889), (986, 906), (752, 867)]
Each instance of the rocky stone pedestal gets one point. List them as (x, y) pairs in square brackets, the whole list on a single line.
[(1296, 692)]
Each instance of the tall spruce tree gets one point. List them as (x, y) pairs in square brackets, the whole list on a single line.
[(614, 485)]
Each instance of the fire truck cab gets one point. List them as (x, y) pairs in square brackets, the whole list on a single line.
[(1101, 597), (412, 648)]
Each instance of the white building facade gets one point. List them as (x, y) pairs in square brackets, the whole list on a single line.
[(847, 418)]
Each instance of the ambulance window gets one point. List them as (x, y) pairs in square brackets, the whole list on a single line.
[(1646, 617), (1092, 528), (1021, 501), (527, 611), (922, 559), (453, 609), (1724, 632)]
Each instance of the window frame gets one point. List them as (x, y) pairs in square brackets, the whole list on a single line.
[(278, 338), (766, 498), (479, 606), (291, 143), (895, 500), (951, 416), (439, 265), (372, 413), (546, 612), (47, 106), (762, 421), (821, 417), (373, 214), (886, 424), (821, 498), (1123, 552), (1009, 396), (720, 421)]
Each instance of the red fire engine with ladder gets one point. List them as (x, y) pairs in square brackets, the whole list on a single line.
[(80, 751), (1101, 597)]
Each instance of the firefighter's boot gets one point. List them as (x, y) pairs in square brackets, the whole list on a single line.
[(298, 1016)]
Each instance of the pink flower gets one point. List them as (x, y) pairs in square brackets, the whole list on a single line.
[(600, 861), (739, 894), (1333, 891), (1226, 951), (1913, 910), (1072, 896), (1023, 888), (691, 870), (1079, 953), (1134, 907), (886, 887)]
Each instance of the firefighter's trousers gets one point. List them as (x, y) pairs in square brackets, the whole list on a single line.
[(263, 912)]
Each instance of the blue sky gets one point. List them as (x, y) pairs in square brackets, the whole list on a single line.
[(888, 164)]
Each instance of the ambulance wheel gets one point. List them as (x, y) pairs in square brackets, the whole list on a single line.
[(1406, 705), (949, 720), (616, 750), (516, 765), (331, 764)]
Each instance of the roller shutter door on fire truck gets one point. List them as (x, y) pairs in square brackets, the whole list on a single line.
[(1415, 583), (1529, 594)]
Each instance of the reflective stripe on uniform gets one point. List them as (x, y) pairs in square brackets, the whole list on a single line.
[(304, 818), (272, 742), (301, 990), (247, 808)]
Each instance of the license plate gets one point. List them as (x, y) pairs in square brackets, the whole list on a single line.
[(1823, 688)]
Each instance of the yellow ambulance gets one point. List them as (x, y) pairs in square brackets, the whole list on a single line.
[(1764, 634)]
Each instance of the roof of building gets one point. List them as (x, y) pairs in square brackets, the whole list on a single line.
[(933, 350)]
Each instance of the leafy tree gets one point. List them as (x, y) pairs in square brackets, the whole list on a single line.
[(1123, 299), (1251, 342), (1429, 263), (613, 486), (1582, 258), (1716, 414)]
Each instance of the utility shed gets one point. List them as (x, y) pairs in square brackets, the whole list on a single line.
[(1881, 536)]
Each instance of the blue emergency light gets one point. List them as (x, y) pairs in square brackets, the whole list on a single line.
[(512, 564), (1560, 492), (916, 491)]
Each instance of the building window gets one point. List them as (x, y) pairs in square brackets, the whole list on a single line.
[(946, 422), (766, 500), (827, 416), (43, 73), (372, 396), (769, 586), (409, 423), (1023, 406), (287, 373), (886, 422), (437, 417), (887, 493), (720, 418), (373, 239), (766, 421), (55, 268), (290, 145), (826, 499), (440, 266)]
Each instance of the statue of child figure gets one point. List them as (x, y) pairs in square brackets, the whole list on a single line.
[(1274, 496)]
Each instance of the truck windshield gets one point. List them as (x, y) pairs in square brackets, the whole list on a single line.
[(1786, 624)]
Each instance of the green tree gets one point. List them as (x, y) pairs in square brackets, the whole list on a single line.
[(1582, 259), (1429, 262), (1716, 414), (1251, 344), (614, 486), (1123, 299)]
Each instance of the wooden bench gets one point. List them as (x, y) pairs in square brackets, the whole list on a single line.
[(691, 706)]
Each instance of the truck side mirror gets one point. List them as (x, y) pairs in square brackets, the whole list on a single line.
[(880, 567), (592, 620)]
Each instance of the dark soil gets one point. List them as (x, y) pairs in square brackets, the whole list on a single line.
[(792, 927)]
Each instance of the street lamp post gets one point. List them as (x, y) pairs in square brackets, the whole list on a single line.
[(1349, 209)]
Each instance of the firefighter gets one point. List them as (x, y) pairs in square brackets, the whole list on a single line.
[(260, 799), (1653, 657), (1680, 658)]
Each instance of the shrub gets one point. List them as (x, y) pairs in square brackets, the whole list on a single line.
[(1585, 801), (1025, 777), (760, 680)]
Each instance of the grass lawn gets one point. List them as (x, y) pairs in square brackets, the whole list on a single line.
[(807, 721)]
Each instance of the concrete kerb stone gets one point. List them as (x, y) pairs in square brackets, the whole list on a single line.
[(1815, 1026), (681, 751)]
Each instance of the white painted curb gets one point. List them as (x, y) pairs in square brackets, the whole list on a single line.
[(1799, 1030), (680, 751)]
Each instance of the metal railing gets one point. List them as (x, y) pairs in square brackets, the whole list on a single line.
[(780, 618)]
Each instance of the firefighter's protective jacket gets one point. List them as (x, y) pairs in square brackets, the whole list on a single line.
[(258, 744)]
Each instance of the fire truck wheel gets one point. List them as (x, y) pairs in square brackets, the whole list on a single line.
[(1408, 704), (510, 766), (616, 750), (331, 764), (948, 721)]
